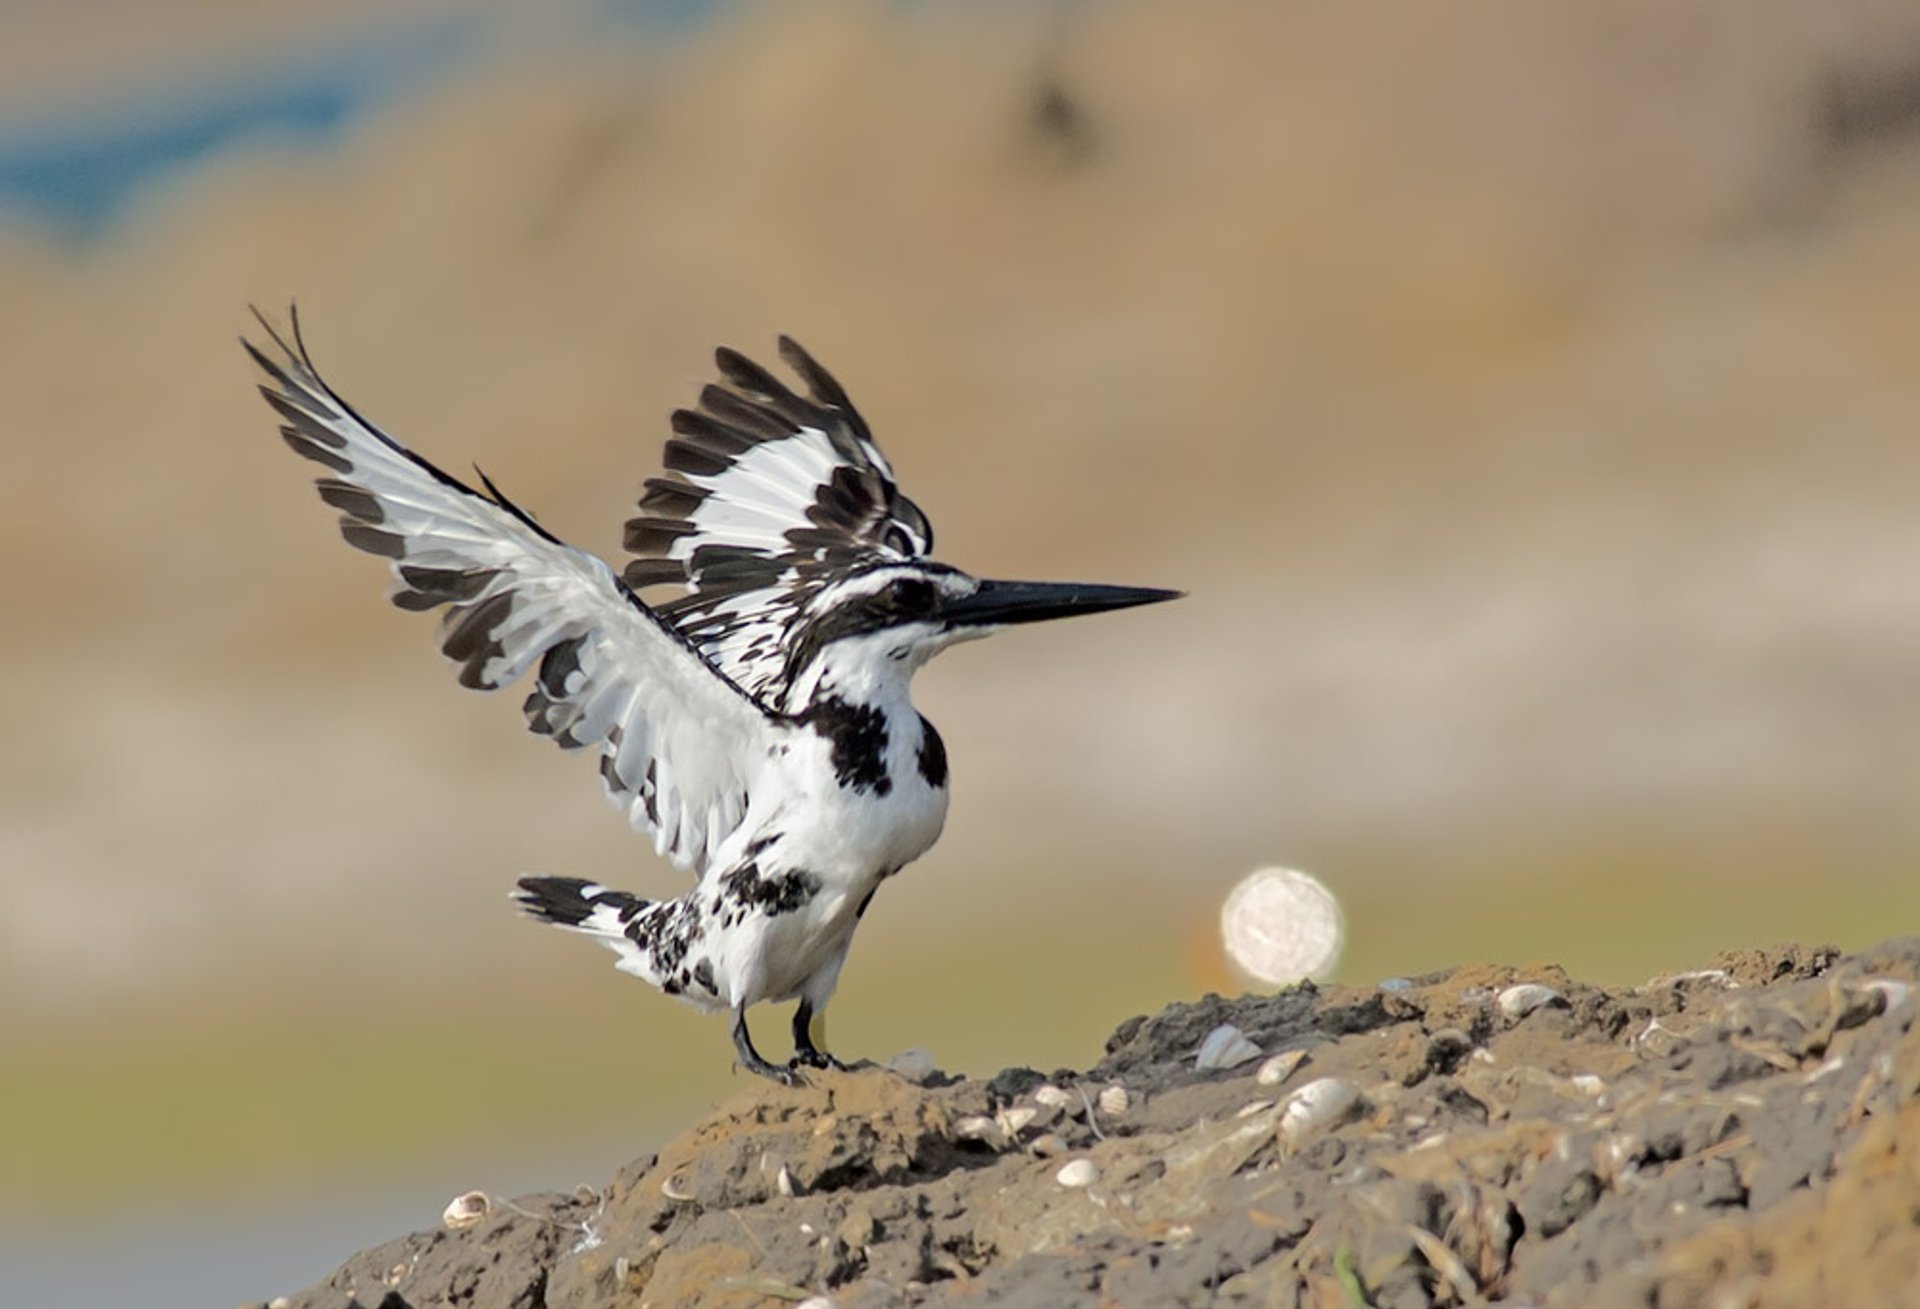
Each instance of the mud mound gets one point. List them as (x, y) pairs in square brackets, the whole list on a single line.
[(1746, 1135)]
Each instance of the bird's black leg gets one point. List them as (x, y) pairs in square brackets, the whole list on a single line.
[(805, 1052), (749, 1058)]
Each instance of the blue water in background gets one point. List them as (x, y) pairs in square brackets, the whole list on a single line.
[(77, 173)]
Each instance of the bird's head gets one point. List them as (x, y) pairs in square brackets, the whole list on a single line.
[(876, 626)]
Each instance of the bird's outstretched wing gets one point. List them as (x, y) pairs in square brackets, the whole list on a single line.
[(768, 496), (676, 737)]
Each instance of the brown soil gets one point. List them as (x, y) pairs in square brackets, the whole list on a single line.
[(1744, 1136)]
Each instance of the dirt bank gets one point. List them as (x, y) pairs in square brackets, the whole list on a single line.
[(1747, 1135)]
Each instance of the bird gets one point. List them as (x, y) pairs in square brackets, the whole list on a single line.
[(758, 724)]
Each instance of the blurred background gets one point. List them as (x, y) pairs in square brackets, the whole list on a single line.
[(1527, 397)]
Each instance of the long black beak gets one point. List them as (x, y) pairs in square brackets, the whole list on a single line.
[(996, 604)]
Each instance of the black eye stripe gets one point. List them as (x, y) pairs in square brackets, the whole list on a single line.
[(910, 595)]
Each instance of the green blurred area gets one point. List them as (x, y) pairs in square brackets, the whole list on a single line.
[(280, 1097)]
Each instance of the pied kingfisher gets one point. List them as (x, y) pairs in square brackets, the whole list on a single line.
[(759, 725)]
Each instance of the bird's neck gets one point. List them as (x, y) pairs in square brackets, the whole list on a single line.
[(856, 672)]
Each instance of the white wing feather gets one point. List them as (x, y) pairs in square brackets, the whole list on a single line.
[(612, 675)]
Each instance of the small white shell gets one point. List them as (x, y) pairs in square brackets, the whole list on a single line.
[(976, 1127), (785, 1184), (1319, 1105), (1052, 1097), (1114, 1101), (1279, 1068), (280, 1302), (815, 1302), (1078, 1172), (466, 1210), (1516, 1002), (1587, 1084), (675, 1188), (1226, 1046), (1014, 1119)]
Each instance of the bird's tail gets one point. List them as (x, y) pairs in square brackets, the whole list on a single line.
[(580, 905)]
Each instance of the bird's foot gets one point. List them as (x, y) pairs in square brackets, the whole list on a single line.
[(786, 1075), (807, 1056), (745, 1056)]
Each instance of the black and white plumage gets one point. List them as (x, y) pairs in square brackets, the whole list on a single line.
[(758, 726)]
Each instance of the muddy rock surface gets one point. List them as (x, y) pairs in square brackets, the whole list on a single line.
[(1747, 1135)]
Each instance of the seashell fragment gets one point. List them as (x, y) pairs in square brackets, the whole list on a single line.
[(1016, 1118), (1226, 1046), (1052, 1097), (1280, 1067), (1252, 1107), (1077, 1172), (785, 1184), (466, 1210), (815, 1302), (675, 1188), (1114, 1101), (1894, 992), (1319, 1106), (976, 1127), (1516, 1002)]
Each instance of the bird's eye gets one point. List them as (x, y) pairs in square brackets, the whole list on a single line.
[(911, 595)]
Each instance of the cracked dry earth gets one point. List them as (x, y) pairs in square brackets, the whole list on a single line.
[(1742, 1137)]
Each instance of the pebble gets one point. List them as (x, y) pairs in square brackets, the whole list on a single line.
[(1517, 1002), (1226, 1046), (1078, 1172), (912, 1064), (1047, 1145), (466, 1210)]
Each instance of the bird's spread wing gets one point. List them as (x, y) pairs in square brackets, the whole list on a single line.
[(768, 495), (675, 736)]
